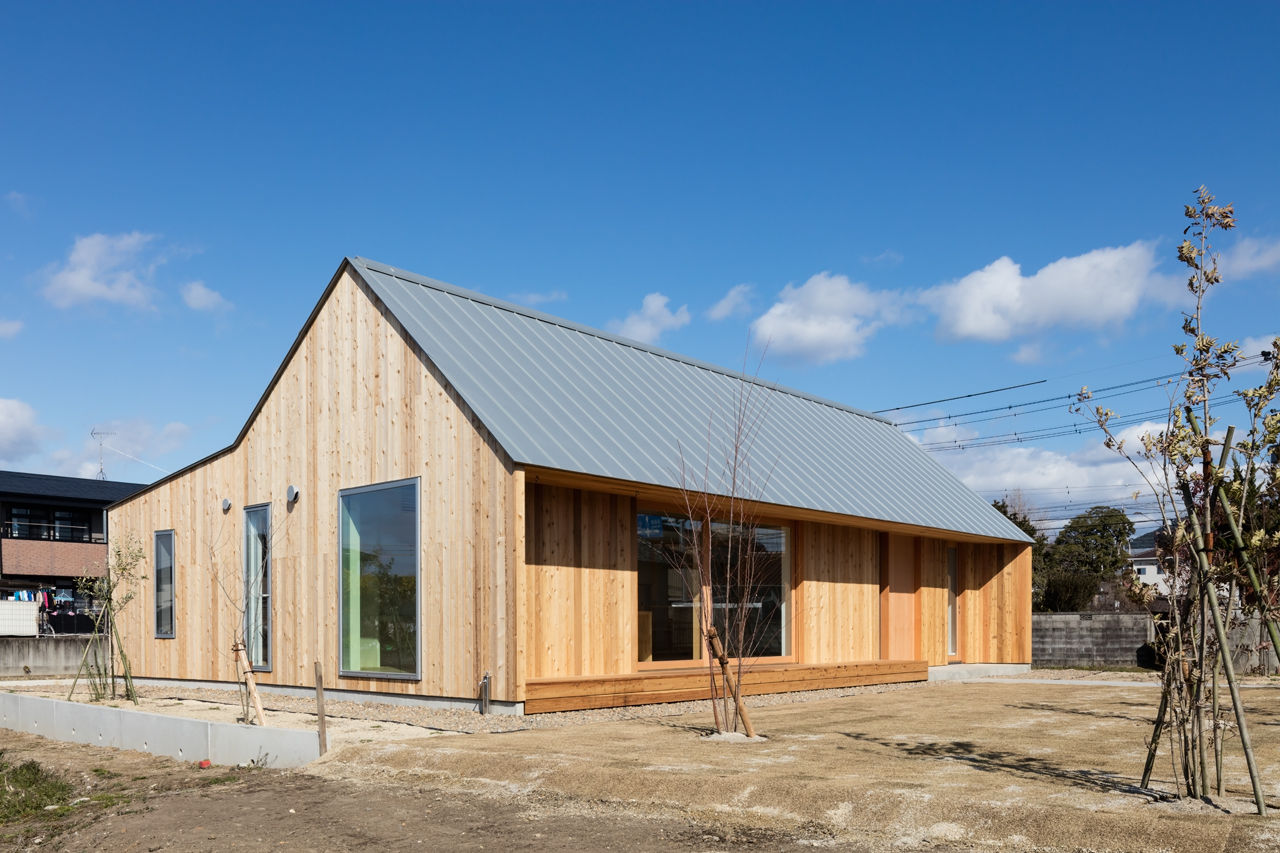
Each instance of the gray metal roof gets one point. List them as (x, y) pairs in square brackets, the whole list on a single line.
[(559, 395)]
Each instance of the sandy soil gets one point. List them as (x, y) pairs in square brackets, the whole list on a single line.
[(997, 765)]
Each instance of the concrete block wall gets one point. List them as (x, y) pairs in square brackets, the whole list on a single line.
[(43, 656), (1088, 639)]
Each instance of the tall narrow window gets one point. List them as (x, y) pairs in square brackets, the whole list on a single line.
[(257, 585), (164, 583), (951, 602), (378, 564)]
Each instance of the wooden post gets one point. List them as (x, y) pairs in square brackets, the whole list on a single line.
[(250, 683), (324, 737), (730, 684)]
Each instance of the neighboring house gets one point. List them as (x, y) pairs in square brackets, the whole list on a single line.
[(53, 529), (437, 486), (1145, 563)]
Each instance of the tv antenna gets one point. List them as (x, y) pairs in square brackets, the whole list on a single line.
[(98, 435)]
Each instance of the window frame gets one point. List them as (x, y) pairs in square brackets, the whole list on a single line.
[(173, 583), (417, 606), (267, 621), (788, 604)]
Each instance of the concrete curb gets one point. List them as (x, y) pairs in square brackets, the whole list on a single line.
[(159, 734), (966, 671)]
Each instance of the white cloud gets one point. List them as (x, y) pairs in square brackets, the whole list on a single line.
[(653, 318), (888, 257), (1250, 255), (107, 267), (9, 328), (20, 432), (998, 302), (201, 298), (1029, 353), (828, 318), (736, 301), (539, 298), (17, 203), (1253, 346)]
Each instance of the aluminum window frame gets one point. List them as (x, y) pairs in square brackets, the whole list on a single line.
[(268, 622), (173, 583), (417, 606)]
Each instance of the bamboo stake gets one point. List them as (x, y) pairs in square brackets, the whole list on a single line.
[(1237, 540), (246, 672), (1227, 665), (730, 683), (1154, 746)]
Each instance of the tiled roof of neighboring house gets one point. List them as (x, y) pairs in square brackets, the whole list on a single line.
[(16, 484), (558, 395)]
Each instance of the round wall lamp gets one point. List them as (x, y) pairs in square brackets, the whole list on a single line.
[(226, 505), (291, 495)]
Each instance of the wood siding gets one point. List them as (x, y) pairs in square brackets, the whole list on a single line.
[(357, 403), (995, 603), (581, 588), (837, 601), (686, 685)]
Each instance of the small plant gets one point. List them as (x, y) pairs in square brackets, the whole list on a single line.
[(29, 788), (112, 592)]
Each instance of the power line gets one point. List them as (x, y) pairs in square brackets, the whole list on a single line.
[(1058, 431), (1057, 398), (961, 397)]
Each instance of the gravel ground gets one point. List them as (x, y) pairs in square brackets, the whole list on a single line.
[(299, 711)]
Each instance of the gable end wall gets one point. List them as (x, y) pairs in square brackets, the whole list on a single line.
[(356, 403)]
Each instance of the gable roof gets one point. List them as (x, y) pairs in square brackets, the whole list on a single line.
[(555, 394), (19, 484)]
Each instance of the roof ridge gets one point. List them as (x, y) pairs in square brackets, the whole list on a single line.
[(503, 305)]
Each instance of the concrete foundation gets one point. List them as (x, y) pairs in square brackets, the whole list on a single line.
[(442, 702), (966, 671), (159, 734)]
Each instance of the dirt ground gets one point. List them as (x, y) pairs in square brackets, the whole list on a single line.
[(1012, 765)]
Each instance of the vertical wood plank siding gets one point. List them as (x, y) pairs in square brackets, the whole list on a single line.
[(519, 578), (358, 403), (581, 589), (839, 594)]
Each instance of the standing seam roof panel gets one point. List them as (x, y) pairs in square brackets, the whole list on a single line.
[(557, 395)]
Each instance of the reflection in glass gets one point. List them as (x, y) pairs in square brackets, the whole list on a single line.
[(749, 592), (257, 585), (164, 583), (379, 568)]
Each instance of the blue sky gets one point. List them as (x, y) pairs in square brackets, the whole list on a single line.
[(904, 201)]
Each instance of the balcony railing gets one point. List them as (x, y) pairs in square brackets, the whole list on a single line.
[(49, 531)]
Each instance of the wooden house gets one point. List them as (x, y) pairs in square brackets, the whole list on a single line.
[(437, 487)]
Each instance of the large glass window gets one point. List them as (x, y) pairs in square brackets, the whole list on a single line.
[(257, 586), (378, 562), (164, 583), (749, 585)]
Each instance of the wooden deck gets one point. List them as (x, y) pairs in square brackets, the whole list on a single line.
[(543, 695)]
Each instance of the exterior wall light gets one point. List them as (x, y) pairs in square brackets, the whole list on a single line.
[(291, 495), (226, 505)]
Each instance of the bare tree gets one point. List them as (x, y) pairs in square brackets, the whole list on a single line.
[(1194, 492), (725, 558)]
